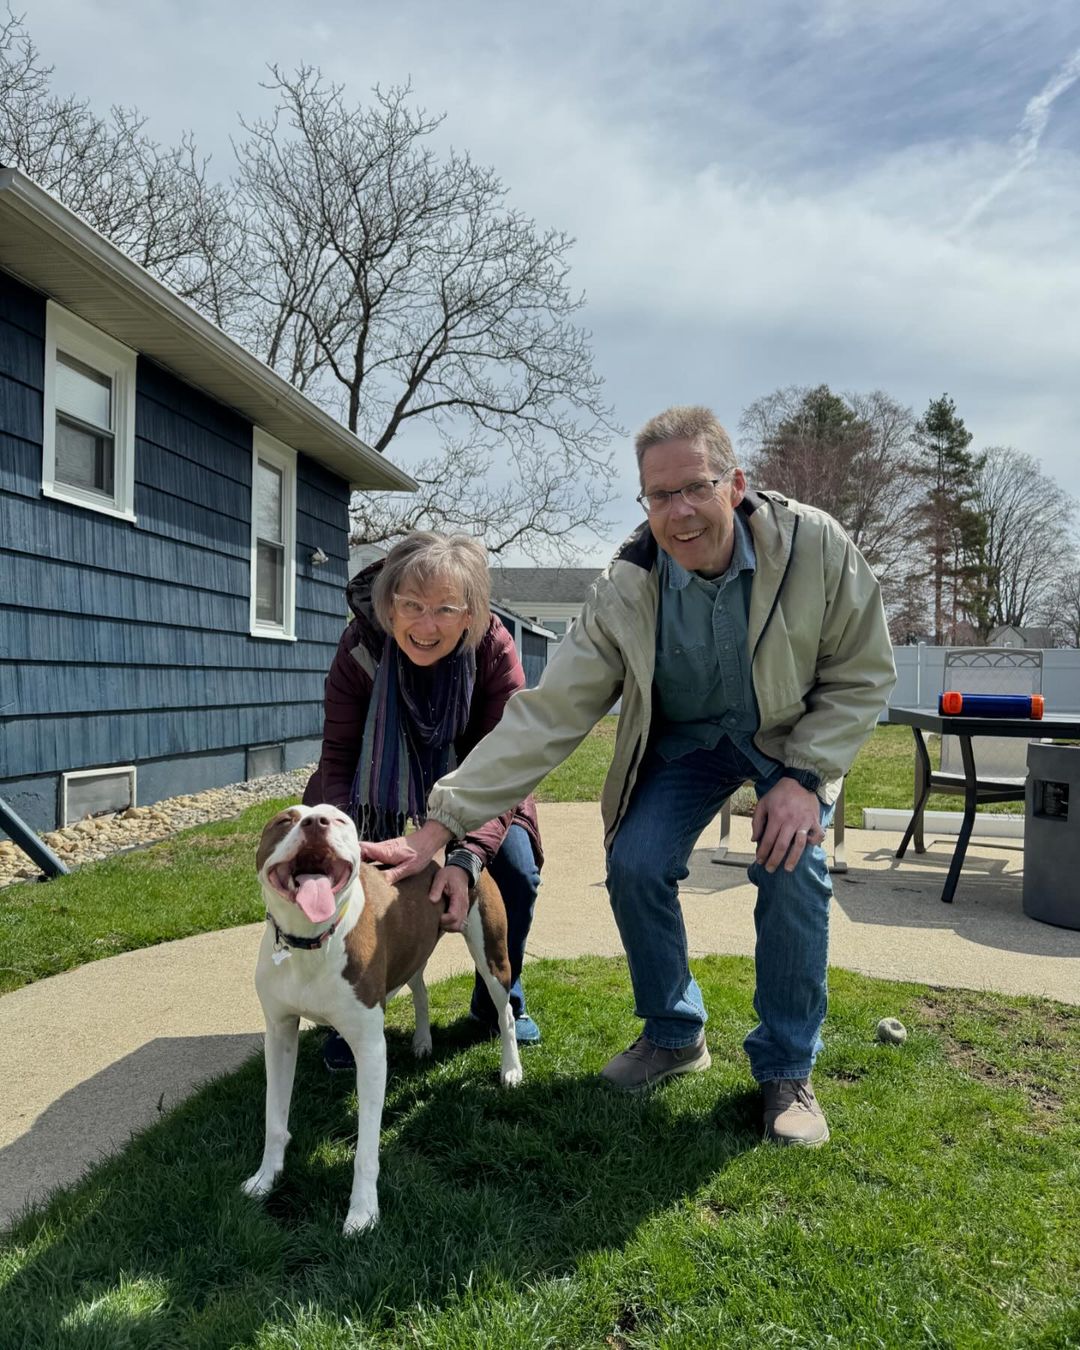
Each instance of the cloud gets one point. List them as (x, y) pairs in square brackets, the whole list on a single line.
[(1029, 134), (761, 195)]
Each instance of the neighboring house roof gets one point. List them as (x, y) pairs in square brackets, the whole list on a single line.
[(543, 585), (55, 251), (504, 611), (1031, 636)]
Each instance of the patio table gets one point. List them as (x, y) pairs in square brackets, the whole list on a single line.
[(1060, 726)]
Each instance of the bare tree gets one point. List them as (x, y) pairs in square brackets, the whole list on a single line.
[(1061, 611), (1026, 537), (391, 283), (1026, 544), (397, 285), (157, 204)]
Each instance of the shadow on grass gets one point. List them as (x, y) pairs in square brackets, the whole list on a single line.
[(158, 1247)]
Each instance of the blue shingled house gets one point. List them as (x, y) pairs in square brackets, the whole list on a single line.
[(173, 534)]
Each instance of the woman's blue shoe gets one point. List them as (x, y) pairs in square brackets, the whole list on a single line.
[(526, 1031)]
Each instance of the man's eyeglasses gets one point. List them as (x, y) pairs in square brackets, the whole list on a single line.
[(697, 494), (445, 616)]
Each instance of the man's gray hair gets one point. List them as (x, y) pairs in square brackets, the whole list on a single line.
[(689, 424), (423, 557)]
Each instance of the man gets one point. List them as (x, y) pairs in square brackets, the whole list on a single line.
[(746, 637)]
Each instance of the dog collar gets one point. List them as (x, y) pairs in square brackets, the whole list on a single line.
[(305, 944)]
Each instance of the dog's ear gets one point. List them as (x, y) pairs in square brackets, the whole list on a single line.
[(273, 833)]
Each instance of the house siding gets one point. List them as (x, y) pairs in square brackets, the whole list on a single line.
[(124, 643)]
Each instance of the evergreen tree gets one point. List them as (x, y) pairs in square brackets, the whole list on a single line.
[(811, 450), (949, 524)]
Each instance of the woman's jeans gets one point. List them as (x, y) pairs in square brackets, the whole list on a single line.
[(671, 804), (517, 876)]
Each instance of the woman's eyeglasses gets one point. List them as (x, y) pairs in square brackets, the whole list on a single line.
[(445, 616)]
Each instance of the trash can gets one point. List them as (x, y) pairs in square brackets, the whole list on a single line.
[(1052, 835)]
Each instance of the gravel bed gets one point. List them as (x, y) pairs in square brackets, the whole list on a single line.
[(98, 836)]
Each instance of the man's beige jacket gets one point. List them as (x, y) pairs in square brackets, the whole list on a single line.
[(821, 664)]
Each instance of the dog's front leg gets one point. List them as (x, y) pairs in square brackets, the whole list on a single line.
[(368, 1044), (282, 1036)]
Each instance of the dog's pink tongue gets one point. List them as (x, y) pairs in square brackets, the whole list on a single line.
[(315, 896)]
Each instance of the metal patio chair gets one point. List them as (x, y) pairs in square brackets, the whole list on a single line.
[(1001, 761)]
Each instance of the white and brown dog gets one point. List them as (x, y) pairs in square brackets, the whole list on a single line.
[(339, 942)]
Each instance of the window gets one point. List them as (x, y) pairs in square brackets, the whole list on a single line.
[(556, 626), (273, 536), (89, 442)]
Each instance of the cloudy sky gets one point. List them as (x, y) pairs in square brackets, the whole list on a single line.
[(867, 193)]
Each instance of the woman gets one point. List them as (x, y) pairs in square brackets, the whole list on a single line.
[(421, 674)]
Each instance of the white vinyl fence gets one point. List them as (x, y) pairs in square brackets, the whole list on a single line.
[(920, 670)]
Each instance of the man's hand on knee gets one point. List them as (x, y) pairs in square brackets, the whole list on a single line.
[(786, 819)]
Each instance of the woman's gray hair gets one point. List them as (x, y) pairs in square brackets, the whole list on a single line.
[(689, 424), (424, 557)]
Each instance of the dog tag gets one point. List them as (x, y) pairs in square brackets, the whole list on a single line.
[(281, 954)]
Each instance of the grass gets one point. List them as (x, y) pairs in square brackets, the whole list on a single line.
[(202, 879), (580, 778), (883, 773), (198, 881), (945, 1212)]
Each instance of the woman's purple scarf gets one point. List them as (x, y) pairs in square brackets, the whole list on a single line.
[(414, 716)]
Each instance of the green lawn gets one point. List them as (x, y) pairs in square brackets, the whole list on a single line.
[(883, 773), (198, 881), (580, 778), (945, 1211), (203, 879)]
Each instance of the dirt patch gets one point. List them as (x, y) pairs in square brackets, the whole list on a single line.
[(1053, 1028)]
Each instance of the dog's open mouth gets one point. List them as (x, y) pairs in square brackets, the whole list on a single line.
[(312, 880)]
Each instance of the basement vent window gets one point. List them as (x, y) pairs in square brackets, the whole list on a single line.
[(265, 759), (96, 792)]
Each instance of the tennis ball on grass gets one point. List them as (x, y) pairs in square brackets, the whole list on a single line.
[(891, 1031)]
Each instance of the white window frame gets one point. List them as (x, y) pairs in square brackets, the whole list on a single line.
[(76, 775), (283, 457), (115, 361)]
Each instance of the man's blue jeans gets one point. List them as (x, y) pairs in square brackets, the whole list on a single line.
[(671, 804), (517, 876)]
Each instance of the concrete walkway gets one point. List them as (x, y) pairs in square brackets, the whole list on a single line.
[(88, 1057)]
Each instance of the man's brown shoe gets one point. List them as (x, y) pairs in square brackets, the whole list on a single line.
[(646, 1064), (792, 1113)]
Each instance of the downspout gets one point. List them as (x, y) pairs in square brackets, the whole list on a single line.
[(21, 834)]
